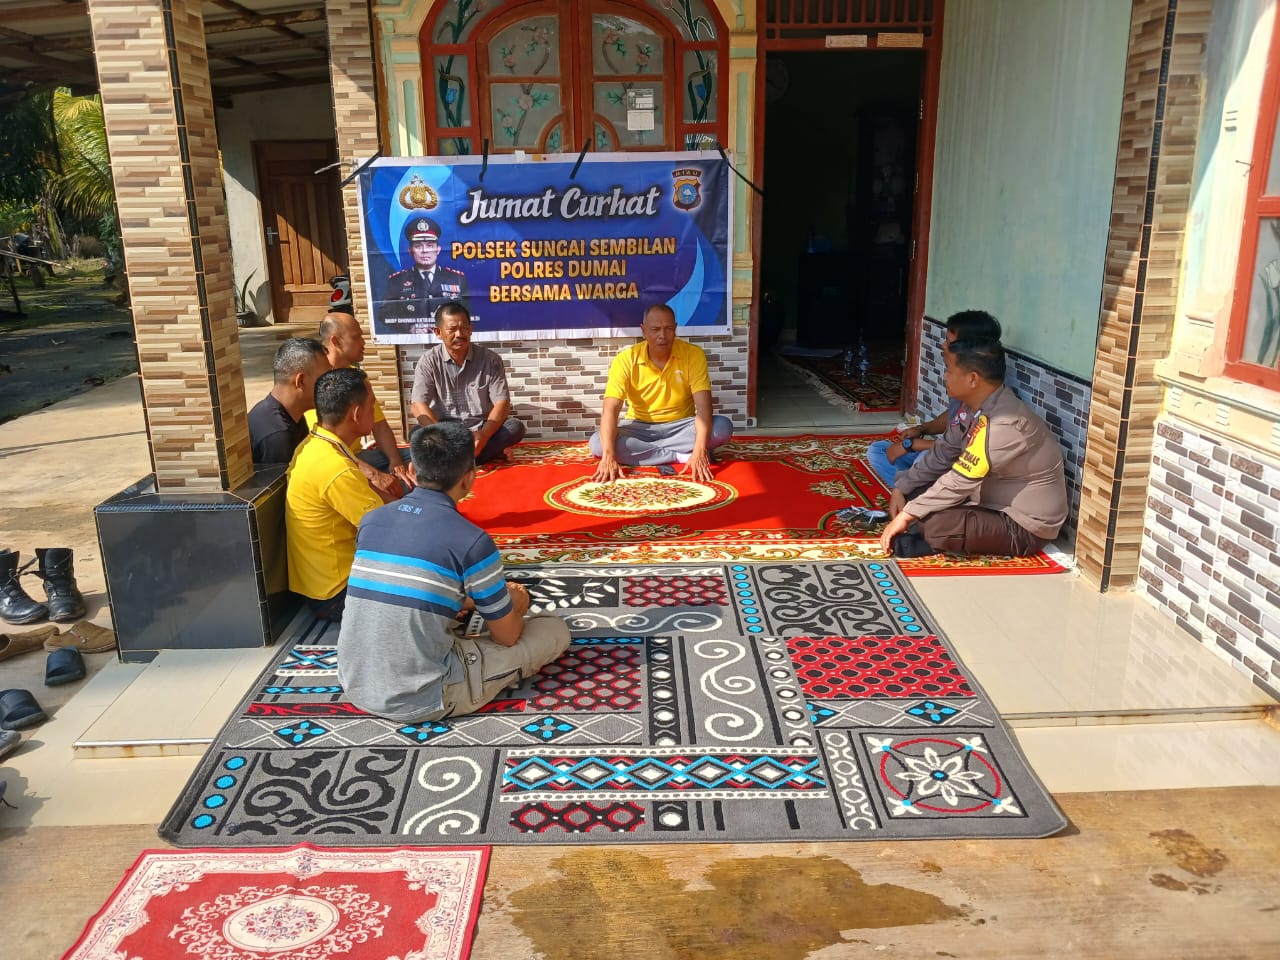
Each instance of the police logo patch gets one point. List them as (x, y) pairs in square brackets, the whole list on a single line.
[(686, 192), (418, 196)]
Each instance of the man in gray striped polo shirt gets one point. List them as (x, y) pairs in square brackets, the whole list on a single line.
[(419, 567), (461, 380)]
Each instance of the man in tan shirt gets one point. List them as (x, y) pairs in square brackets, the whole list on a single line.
[(1005, 493)]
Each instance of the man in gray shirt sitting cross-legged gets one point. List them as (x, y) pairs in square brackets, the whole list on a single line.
[(419, 567), (461, 380)]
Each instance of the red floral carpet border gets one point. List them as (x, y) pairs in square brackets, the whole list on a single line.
[(296, 903), (773, 498)]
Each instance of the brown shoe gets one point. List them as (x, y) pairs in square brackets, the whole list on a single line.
[(13, 644), (85, 636)]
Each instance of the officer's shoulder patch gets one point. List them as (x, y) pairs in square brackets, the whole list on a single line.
[(973, 461)]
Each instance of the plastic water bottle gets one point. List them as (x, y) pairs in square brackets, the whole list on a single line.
[(848, 361)]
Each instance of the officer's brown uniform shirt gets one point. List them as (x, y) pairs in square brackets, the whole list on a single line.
[(1010, 462)]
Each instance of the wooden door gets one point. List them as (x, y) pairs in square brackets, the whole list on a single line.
[(302, 225)]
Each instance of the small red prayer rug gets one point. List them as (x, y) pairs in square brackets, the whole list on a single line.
[(295, 903), (772, 498), (876, 390)]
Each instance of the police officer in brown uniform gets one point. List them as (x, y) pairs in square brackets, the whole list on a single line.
[(418, 291), (1005, 493)]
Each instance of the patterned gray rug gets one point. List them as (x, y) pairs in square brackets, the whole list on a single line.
[(702, 703)]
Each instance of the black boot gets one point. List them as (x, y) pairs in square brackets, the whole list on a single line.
[(58, 574), (15, 605)]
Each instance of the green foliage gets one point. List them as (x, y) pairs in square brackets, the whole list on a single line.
[(15, 215), (54, 167), (82, 187), (28, 148)]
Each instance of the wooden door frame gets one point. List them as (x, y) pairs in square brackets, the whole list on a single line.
[(922, 207), (260, 175)]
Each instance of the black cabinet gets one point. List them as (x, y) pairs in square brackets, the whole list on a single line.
[(196, 571)]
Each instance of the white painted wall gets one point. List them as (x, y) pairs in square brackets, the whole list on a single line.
[(297, 113), (1028, 124)]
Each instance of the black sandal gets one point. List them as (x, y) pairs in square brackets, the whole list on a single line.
[(18, 710)]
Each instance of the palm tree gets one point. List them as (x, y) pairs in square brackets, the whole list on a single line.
[(81, 184)]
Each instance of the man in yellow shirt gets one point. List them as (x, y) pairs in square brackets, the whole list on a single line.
[(664, 382), (327, 493)]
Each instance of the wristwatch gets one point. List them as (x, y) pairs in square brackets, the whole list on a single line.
[(907, 443)]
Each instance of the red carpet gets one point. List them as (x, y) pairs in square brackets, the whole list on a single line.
[(773, 498), (300, 903)]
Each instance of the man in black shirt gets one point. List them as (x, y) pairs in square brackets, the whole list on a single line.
[(276, 424)]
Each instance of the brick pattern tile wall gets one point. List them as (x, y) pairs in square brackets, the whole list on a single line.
[(164, 152), (355, 113), (1155, 158), (556, 386), (1210, 558), (1062, 399)]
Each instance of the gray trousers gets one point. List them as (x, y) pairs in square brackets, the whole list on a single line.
[(491, 667), (641, 444)]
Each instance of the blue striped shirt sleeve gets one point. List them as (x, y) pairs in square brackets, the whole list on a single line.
[(484, 580)]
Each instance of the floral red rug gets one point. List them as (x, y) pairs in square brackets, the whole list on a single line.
[(771, 499), (295, 903), (876, 390)]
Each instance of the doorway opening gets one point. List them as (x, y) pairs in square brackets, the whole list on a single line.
[(836, 246)]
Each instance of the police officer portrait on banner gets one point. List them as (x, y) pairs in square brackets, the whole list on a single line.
[(419, 290)]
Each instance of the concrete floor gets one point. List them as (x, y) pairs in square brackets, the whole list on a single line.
[(1103, 693)]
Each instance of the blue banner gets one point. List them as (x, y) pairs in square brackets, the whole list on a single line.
[(537, 250)]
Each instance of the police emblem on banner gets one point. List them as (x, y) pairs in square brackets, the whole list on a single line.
[(418, 196), (686, 192)]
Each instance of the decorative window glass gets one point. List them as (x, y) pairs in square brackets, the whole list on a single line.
[(523, 113), (1261, 342), (700, 86), (453, 105), (549, 75), (622, 47), (555, 139), (453, 147), (456, 20), (605, 140), (528, 48), (691, 18)]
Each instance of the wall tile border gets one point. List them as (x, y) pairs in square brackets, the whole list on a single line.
[(1211, 558)]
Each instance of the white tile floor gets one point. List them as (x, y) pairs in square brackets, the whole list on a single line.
[(1103, 692)]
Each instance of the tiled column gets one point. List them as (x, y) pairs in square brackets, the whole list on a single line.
[(355, 112), (1159, 117), (154, 79)]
